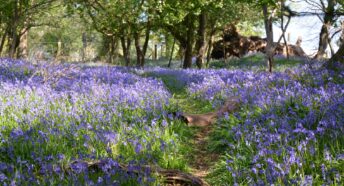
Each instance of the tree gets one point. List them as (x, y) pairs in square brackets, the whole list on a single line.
[(328, 20), (269, 8), (111, 19), (17, 18), (192, 23), (339, 55)]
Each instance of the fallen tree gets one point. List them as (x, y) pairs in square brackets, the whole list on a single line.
[(234, 44), (170, 177), (230, 105)]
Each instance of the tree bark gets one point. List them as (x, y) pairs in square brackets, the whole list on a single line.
[(59, 51), (139, 52), (230, 105), (284, 28), (224, 46), (337, 57), (13, 31), (270, 49), (145, 44), (171, 55), (126, 43), (170, 177), (201, 44), (324, 33), (113, 47), (210, 43), (210, 47), (189, 42), (2, 43), (84, 46)]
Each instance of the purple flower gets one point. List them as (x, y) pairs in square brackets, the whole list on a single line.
[(340, 157), (138, 147), (79, 166), (2, 177), (16, 133), (100, 180)]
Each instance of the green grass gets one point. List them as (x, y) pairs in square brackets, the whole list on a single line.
[(256, 63)]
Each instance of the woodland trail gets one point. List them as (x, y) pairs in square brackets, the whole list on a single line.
[(202, 158)]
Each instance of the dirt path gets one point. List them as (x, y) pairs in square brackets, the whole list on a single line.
[(202, 158)]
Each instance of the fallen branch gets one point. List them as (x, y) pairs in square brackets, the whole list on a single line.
[(206, 119), (171, 177)]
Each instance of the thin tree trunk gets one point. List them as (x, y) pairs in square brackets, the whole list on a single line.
[(139, 54), (171, 55), (324, 33), (210, 47), (145, 44), (59, 51), (113, 48), (337, 57), (14, 35), (84, 46), (126, 43), (210, 44), (270, 49), (181, 52), (341, 39), (224, 47), (2, 43), (189, 43), (201, 43), (284, 28)]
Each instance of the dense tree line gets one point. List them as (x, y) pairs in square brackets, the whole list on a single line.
[(192, 25)]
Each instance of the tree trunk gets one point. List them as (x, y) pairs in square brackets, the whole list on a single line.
[(84, 46), (210, 44), (270, 49), (155, 52), (113, 47), (171, 55), (337, 57), (230, 105), (283, 29), (145, 44), (323, 42), (139, 52), (59, 51), (13, 31), (14, 43), (210, 47), (168, 45), (224, 46), (324, 33), (126, 43), (201, 44), (189, 42), (341, 38), (2, 43)]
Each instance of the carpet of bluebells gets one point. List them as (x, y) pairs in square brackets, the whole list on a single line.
[(55, 118)]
